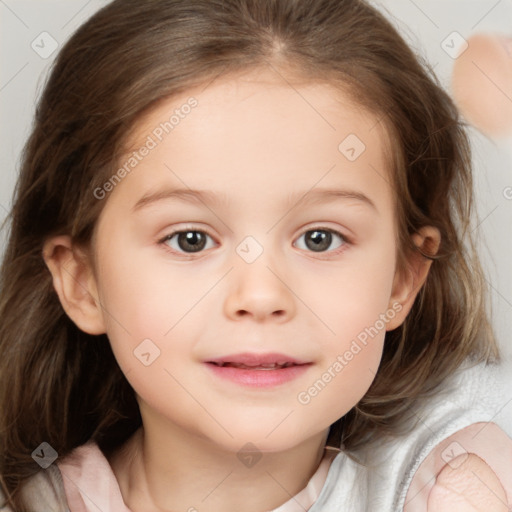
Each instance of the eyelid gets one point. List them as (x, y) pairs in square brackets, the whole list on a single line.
[(184, 229), (324, 227)]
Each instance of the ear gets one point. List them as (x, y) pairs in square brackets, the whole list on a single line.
[(75, 284), (408, 282)]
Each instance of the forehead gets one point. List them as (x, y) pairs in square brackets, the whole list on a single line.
[(256, 129), (252, 95)]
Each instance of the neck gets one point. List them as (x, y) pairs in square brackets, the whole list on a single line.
[(157, 471)]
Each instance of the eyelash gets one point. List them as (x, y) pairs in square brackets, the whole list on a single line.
[(346, 241)]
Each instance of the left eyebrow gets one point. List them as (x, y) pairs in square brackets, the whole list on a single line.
[(315, 196), (321, 195)]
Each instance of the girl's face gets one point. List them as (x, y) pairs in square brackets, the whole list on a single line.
[(290, 249)]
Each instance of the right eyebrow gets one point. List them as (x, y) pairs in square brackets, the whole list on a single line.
[(183, 194)]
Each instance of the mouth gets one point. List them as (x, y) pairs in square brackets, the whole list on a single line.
[(251, 361), (241, 366), (258, 370)]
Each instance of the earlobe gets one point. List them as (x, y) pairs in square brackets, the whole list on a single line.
[(408, 282), (74, 283)]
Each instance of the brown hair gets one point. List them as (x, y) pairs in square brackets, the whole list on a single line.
[(63, 386)]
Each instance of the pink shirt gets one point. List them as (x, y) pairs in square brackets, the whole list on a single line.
[(90, 483)]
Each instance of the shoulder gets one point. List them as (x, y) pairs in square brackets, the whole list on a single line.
[(42, 491), (468, 471)]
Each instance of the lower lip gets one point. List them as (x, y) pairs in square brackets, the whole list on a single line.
[(259, 378)]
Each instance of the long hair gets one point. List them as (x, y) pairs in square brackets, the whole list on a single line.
[(62, 386)]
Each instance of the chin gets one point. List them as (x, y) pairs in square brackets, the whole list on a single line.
[(267, 440)]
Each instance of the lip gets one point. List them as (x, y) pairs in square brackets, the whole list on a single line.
[(258, 378), (253, 359)]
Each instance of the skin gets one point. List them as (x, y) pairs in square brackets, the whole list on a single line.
[(469, 486), (482, 84), (256, 140)]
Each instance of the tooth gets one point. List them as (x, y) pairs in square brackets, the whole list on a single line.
[(266, 366)]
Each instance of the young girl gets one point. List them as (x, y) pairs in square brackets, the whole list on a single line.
[(241, 275)]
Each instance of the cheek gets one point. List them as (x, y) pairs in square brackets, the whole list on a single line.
[(353, 296), (353, 305), (145, 293), (349, 364), (138, 304), (154, 312)]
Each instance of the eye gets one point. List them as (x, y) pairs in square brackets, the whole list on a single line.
[(187, 241), (190, 241), (320, 239)]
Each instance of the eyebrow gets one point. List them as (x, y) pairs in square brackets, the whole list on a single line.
[(207, 197)]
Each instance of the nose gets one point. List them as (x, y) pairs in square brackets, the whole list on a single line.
[(259, 291)]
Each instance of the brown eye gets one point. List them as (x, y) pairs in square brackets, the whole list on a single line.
[(189, 241), (319, 240)]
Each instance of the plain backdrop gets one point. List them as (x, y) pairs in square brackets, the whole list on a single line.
[(425, 24)]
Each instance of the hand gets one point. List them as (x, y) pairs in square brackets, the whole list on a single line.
[(467, 484), (482, 84)]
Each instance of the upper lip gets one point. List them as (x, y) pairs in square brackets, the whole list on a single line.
[(252, 359)]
